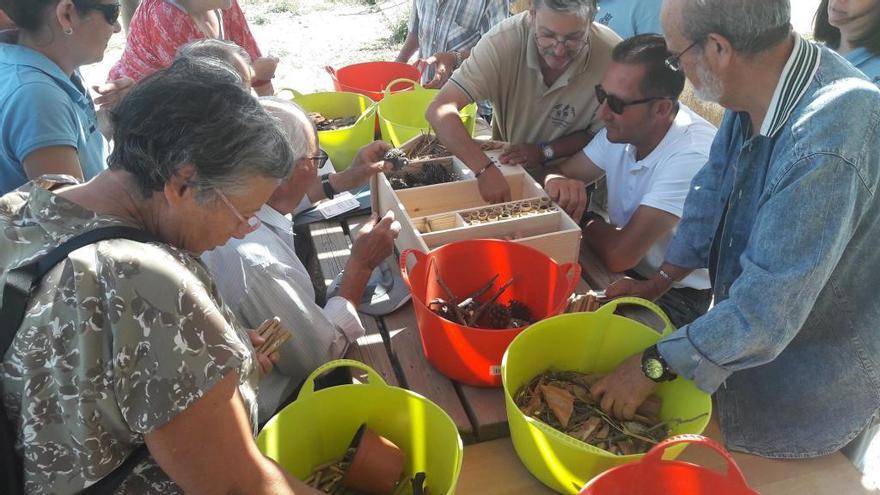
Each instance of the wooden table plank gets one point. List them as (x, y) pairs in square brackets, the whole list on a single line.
[(332, 248), (418, 375), (372, 350)]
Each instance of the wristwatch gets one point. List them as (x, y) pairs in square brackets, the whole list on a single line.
[(328, 188), (548, 152), (655, 367)]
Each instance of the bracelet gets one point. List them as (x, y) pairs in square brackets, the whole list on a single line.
[(486, 167), (665, 275), (260, 82), (328, 188)]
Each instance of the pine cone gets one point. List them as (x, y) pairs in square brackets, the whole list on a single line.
[(397, 158), (520, 311), (496, 316)]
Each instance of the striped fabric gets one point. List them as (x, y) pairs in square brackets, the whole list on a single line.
[(796, 76), (447, 25)]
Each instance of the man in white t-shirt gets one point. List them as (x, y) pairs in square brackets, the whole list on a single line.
[(649, 151)]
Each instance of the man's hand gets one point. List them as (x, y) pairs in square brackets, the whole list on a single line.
[(646, 289), (570, 194), (622, 391), (493, 186), (369, 161), (522, 154), (375, 242), (444, 65), (266, 361), (264, 68), (111, 93)]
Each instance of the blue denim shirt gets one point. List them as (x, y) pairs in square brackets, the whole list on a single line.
[(788, 223)]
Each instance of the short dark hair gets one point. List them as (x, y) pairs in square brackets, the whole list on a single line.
[(830, 35), (195, 112), (30, 15), (650, 51)]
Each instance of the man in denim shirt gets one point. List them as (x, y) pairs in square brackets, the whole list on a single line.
[(785, 217)]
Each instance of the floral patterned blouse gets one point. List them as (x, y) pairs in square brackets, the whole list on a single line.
[(159, 27), (119, 339)]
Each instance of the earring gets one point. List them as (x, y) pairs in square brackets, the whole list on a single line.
[(68, 31)]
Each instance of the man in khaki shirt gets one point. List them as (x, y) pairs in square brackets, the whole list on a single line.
[(538, 69)]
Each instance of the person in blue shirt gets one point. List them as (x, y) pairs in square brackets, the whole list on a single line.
[(786, 216), (852, 29), (630, 17), (48, 122)]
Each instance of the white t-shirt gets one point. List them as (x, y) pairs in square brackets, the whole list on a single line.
[(661, 180)]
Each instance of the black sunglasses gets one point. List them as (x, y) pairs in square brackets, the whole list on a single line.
[(617, 105), (109, 10)]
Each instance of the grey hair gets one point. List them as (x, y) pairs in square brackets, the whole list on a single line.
[(751, 26), (213, 48), (294, 121), (196, 113), (585, 9)]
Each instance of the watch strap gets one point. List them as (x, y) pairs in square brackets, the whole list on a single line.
[(327, 187)]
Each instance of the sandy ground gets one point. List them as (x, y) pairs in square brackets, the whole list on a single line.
[(310, 34)]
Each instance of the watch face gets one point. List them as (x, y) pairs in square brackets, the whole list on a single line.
[(653, 369), (548, 152)]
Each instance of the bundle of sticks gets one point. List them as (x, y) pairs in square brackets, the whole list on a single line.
[(590, 301), (327, 124), (274, 334), (427, 147)]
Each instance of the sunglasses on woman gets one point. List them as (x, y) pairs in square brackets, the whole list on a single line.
[(109, 10), (617, 105)]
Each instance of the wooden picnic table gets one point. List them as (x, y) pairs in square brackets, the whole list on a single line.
[(392, 347)]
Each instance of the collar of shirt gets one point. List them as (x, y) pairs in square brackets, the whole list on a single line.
[(679, 124), (275, 219), (21, 55), (796, 77), (578, 65)]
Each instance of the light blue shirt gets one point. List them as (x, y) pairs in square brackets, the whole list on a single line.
[(787, 220), (630, 17), (867, 62), (40, 106)]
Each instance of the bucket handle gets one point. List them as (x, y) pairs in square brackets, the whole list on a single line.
[(734, 474), (572, 272), (415, 84), (331, 71), (373, 377), (404, 256), (612, 305), (295, 93), (369, 113)]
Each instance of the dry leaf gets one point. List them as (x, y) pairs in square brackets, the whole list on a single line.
[(560, 401), (586, 431)]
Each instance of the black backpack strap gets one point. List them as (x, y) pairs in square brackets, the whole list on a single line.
[(20, 284)]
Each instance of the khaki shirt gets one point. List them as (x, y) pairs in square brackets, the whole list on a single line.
[(504, 68)]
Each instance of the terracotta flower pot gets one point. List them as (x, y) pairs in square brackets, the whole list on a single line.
[(377, 465)]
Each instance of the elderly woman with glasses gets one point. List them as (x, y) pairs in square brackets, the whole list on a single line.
[(260, 276), (48, 121), (127, 365)]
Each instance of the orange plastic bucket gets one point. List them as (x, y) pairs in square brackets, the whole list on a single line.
[(473, 355), (371, 78), (654, 476)]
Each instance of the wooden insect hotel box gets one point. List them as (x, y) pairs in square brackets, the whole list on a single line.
[(437, 201)]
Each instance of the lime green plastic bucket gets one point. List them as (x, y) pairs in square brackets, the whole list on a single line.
[(402, 114), (341, 144), (590, 343), (318, 427)]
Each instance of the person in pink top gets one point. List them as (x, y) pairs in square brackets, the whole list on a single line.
[(160, 27)]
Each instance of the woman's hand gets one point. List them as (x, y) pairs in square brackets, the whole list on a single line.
[(266, 361), (264, 68), (112, 92)]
